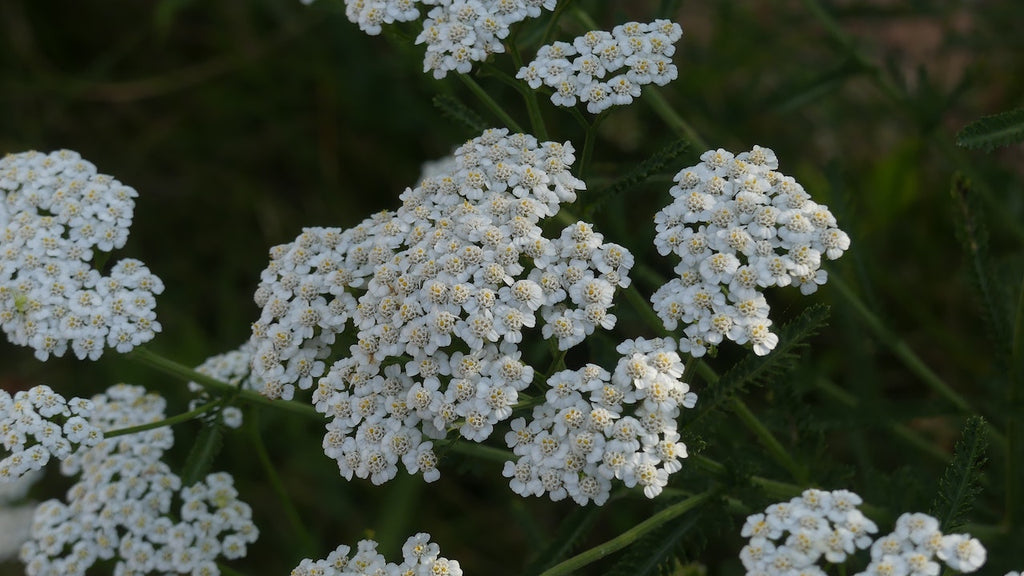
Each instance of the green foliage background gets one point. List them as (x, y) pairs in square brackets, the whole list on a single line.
[(241, 121)]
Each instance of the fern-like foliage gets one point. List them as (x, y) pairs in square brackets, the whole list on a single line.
[(454, 109), (961, 482), (570, 532), (680, 541), (993, 131), (200, 458), (652, 165), (973, 237), (759, 370)]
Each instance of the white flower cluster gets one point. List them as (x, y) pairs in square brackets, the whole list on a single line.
[(420, 557), (577, 70), (456, 32), (56, 211), (827, 525), (39, 423), (16, 514), (596, 426), (739, 226), (121, 507), (233, 367), (441, 292)]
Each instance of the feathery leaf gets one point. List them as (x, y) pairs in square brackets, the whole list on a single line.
[(993, 131), (961, 482), (454, 109), (200, 458), (652, 165)]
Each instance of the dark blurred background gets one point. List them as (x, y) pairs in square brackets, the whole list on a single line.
[(241, 121)]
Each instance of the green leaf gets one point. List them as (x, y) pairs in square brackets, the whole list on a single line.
[(651, 166), (993, 131), (961, 482), (454, 109), (760, 370), (200, 459), (575, 526), (973, 237)]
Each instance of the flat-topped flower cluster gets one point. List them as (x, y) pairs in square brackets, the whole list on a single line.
[(38, 423), (457, 32), (739, 226), (793, 537), (56, 213), (641, 53), (128, 506), (420, 557), (597, 426), (441, 293)]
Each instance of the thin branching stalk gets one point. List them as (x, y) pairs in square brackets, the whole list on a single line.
[(529, 97), (489, 102), (629, 536), (550, 30), (176, 419), (775, 448), (212, 385), (301, 533), (678, 124)]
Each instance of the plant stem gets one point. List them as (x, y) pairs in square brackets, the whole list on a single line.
[(299, 529), (588, 144), (167, 366), (530, 97), (774, 447), (905, 432), (550, 30), (467, 448), (899, 348), (489, 102), (176, 419), (629, 536), (643, 307), (672, 118), (1012, 425)]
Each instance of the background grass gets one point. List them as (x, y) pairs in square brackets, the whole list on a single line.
[(241, 121)]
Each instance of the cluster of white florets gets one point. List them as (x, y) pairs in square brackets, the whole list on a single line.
[(420, 557), (640, 53), (595, 427), (234, 367), (39, 423), (739, 226), (128, 506), (457, 32), (793, 537), (441, 292), (56, 212)]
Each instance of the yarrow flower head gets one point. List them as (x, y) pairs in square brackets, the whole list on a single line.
[(440, 292), (39, 423), (457, 32), (739, 226), (793, 537), (129, 507), (420, 556), (606, 69), (597, 427), (56, 214)]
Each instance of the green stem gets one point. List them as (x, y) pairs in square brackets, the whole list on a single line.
[(550, 30), (629, 536), (167, 366), (226, 571), (908, 434), (899, 348), (298, 528), (672, 118), (643, 307), (472, 449), (530, 97), (588, 144), (774, 447), (489, 102), (176, 419), (1012, 424)]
